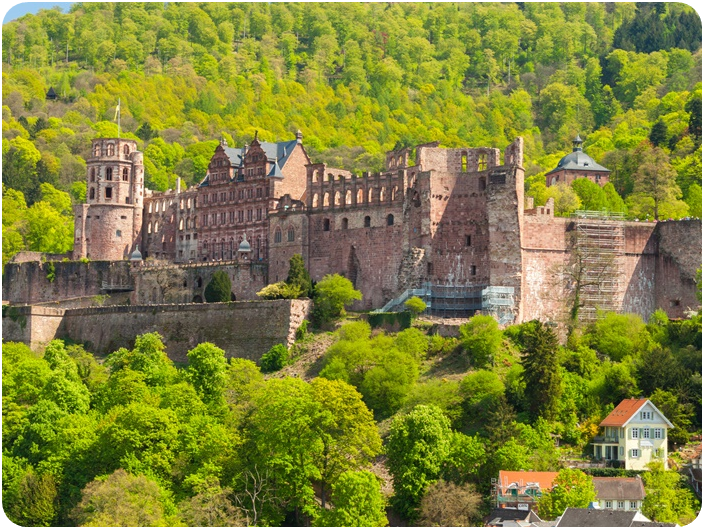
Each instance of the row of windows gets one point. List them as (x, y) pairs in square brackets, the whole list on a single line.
[(108, 194), (344, 223), (381, 196), (109, 173), (110, 151), (290, 234), (213, 219), (644, 433), (622, 504), (224, 196)]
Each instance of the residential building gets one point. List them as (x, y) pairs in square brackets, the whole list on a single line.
[(521, 490), (635, 434), (619, 494), (573, 517)]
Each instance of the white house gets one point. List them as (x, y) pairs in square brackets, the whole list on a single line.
[(635, 433), (619, 494)]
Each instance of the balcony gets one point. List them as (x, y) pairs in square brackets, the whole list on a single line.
[(603, 439)]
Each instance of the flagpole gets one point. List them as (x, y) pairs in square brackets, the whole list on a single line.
[(119, 111)]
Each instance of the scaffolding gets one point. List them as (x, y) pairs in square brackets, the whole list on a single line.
[(598, 261)]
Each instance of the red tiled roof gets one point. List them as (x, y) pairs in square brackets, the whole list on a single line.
[(623, 412), (544, 479)]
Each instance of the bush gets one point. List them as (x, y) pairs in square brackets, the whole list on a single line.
[(331, 295), (219, 289), (302, 330), (481, 338), (280, 290), (274, 359), (415, 305)]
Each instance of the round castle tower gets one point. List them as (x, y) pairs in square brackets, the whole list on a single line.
[(109, 224)]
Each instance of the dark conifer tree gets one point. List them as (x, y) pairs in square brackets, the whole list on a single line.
[(541, 370)]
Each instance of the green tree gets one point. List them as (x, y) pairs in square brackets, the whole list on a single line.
[(357, 500), (566, 200), (658, 133), (590, 194), (148, 357), (415, 305), (480, 392), (571, 488), (667, 500), (655, 189), (418, 444), (481, 339), (219, 289), (207, 371), (541, 370), (35, 500), (332, 293), (121, 499), (694, 201), (280, 290), (298, 276), (274, 359)]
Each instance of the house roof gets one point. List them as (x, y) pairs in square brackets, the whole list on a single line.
[(579, 161), (573, 517), (619, 488), (522, 478), (626, 410)]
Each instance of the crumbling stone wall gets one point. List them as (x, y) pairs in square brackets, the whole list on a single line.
[(679, 258)]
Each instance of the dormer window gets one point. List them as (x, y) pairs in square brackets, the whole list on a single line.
[(646, 415)]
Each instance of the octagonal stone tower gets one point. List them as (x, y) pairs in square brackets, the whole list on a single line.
[(108, 225)]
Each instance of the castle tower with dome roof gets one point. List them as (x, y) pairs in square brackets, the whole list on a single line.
[(577, 164)]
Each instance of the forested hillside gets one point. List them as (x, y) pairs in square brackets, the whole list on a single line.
[(358, 79)]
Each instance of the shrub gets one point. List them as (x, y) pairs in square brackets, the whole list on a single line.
[(219, 289), (331, 295), (415, 305), (302, 330), (280, 290), (481, 338), (274, 359)]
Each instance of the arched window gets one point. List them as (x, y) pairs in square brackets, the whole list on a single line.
[(232, 248), (92, 174), (149, 208), (205, 251), (400, 161), (315, 177), (390, 220), (188, 204), (277, 235), (326, 224), (156, 207), (108, 173), (370, 196), (125, 174), (291, 234), (344, 224), (180, 224), (392, 163), (337, 198), (126, 150), (329, 177), (367, 221), (315, 200), (149, 227), (92, 193), (382, 194), (156, 226), (360, 196), (111, 150), (348, 197), (326, 200), (96, 150)]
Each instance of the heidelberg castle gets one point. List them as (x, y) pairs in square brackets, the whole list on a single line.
[(450, 225)]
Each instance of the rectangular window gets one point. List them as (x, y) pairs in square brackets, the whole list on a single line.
[(241, 194), (634, 452), (646, 415), (259, 192), (232, 195), (609, 504), (205, 220), (468, 240), (249, 193), (222, 218), (205, 199), (474, 270), (215, 197), (118, 233), (621, 505), (232, 217), (108, 192), (646, 433), (222, 197), (634, 505), (249, 214), (634, 433), (657, 433), (259, 214)]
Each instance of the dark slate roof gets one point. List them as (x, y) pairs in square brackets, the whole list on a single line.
[(573, 517), (619, 488), (508, 514), (652, 524), (235, 155), (278, 151), (579, 161), (276, 171), (696, 474)]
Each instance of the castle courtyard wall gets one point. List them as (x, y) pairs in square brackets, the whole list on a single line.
[(242, 330)]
